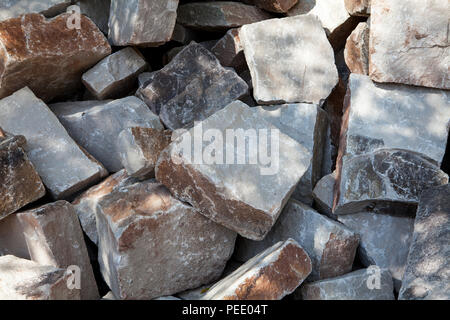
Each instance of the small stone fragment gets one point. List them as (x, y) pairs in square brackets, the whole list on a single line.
[(352, 286), (115, 76), (211, 178), (297, 42), (22, 279), (357, 49), (153, 245), (358, 7), (63, 166), (20, 184), (330, 245), (46, 55), (323, 194), (271, 275), (219, 15), (54, 237), (192, 87), (427, 275), (141, 22), (139, 149), (96, 128), (15, 8), (229, 51), (97, 11)]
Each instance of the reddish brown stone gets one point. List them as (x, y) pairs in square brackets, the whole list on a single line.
[(358, 7), (279, 6), (357, 50)]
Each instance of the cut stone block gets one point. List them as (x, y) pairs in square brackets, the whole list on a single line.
[(219, 15), (141, 22), (12, 240), (358, 7), (139, 149), (97, 11), (97, 128), (153, 245), (271, 275), (385, 240), (352, 286), (389, 180), (86, 204), (414, 49), (381, 116), (15, 8), (235, 187), (115, 76), (330, 245), (323, 194), (297, 42), (427, 275), (64, 167), (192, 87), (20, 184), (22, 279), (54, 237), (229, 51), (357, 49), (46, 55)]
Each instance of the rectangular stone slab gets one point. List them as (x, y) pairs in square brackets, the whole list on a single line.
[(63, 166)]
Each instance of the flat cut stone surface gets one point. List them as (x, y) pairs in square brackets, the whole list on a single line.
[(46, 55), (271, 275), (290, 60), (63, 166), (357, 49), (243, 195), (413, 49), (323, 194), (12, 240), (153, 245), (97, 11), (14, 8)]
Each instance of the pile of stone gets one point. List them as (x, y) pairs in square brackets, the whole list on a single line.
[(224, 150)]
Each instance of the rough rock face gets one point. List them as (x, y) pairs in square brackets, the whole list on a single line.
[(218, 15), (54, 237), (22, 279), (141, 22), (86, 204), (278, 6), (358, 7), (139, 149), (413, 54), (352, 286), (20, 184), (229, 51), (323, 194), (115, 76), (97, 11), (357, 49), (330, 245), (427, 272), (46, 55), (192, 87), (96, 128), (232, 187), (385, 240), (14, 8), (290, 60), (183, 35), (389, 179), (63, 166), (153, 245), (395, 116), (271, 275), (12, 240)]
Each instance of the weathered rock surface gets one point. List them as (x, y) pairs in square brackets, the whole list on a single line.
[(192, 87), (12, 240), (14, 8), (22, 279), (97, 11), (352, 286), (86, 204), (139, 149), (20, 184), (271, 275), (415, 53), (395, 116), (96, 128), (427, 275), (290, 60), (357, 49), (385, 240), (115, 76), (358, 7), (46, 55), (330, 245), (323, 194), (153, 245), (232, 186), (183, 35), (278, 6), (141, 22), (229, 51), (63, 166), (54, 238), (218, 15), (384, 180)]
